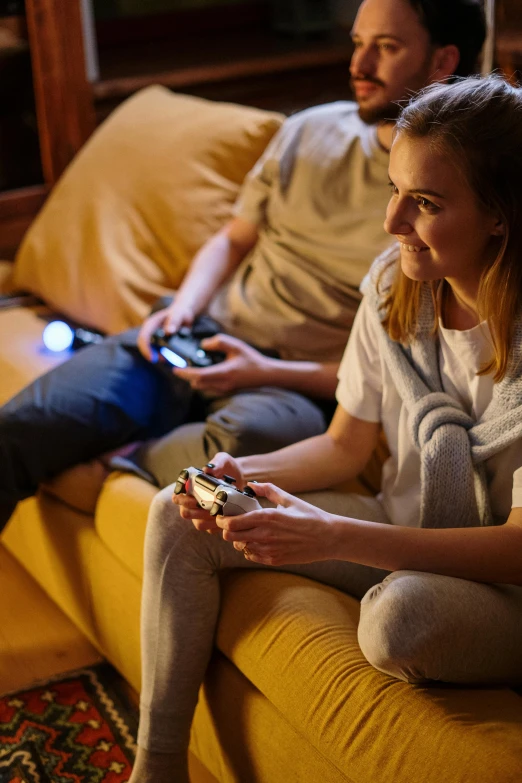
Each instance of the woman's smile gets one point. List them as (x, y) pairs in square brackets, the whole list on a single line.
[(412, 248)]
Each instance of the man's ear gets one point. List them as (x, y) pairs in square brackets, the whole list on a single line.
[(445, 62)]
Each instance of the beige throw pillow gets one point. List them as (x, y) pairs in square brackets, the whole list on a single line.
[(156, 180)]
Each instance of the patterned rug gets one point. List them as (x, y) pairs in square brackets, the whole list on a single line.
[(72, 729)]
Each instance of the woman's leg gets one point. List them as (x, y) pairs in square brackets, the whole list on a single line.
[(180, 608), (418, 626)]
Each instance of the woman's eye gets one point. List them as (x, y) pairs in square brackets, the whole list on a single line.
[(425, 203), (393, 188)]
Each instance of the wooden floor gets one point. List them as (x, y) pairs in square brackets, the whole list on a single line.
[(37, 640)]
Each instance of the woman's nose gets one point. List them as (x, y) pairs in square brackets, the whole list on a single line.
[(396, 221)]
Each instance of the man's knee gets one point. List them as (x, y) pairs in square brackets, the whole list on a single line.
[(262, 421), (398, 632)]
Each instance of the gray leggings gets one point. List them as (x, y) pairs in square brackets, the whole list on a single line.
[(414, 626)]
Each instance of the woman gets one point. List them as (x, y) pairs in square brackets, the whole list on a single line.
[(434, 359)]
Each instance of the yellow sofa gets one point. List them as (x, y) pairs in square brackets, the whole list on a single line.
[(288, 695)]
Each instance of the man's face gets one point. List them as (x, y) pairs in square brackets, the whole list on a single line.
[(393, 57)]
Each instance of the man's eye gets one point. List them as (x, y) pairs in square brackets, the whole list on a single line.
[(393, 188)]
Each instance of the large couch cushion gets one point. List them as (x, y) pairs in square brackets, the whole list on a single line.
[(152, 184), (284, 632), (121, 517)]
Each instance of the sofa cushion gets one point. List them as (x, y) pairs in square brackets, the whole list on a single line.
[(283, 632), (121, 518), (156, 179)]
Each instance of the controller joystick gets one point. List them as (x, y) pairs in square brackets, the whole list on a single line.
[(217, 496), (180, 488)]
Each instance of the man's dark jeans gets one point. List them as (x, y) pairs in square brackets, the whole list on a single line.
[(107, 395)]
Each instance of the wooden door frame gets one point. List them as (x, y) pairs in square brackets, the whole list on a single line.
[(63, 95)]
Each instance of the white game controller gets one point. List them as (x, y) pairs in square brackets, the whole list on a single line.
[(217, 496)]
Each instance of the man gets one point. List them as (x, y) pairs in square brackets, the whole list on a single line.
[(282, 275)]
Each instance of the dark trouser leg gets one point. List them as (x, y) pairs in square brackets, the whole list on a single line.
[(253, 421), (103, 397)]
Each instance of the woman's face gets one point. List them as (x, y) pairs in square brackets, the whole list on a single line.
[(442, 229)]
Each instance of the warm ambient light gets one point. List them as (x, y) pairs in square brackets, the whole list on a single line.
[(58, 336)]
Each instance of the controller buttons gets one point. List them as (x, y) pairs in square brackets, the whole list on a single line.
[(181, 483), (249, 492), (215, 509), (222, 496), (229, 479)]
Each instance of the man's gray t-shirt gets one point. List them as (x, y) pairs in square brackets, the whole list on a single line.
[(319, 195)]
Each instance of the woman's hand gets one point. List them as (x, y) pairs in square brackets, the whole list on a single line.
[(243, 367), (171, 319), (293, 532), (201, 519), (221, 464)]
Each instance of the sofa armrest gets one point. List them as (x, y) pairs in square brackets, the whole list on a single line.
[(6, 271), (9, 297)]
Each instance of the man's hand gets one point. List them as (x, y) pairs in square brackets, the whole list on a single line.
[(293, 532), (243, 367), (170, 320)]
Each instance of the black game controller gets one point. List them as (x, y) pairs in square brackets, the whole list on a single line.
[(217, 496), (183, 349)]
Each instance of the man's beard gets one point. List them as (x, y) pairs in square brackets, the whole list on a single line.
[(387, 113), (390, 111), (383, 113)]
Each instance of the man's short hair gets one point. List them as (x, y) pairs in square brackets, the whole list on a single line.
[(458, 22)]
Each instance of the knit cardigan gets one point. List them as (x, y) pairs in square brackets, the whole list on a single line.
[(453, 445)]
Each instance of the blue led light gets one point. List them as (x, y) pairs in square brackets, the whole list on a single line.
[(58, 336), (173, 358)]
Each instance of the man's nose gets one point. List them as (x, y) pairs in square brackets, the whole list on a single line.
[(364, 61)]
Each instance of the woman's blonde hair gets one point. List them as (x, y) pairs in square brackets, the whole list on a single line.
[(477, 122)]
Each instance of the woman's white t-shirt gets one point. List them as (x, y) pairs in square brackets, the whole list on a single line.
[(366, 391)]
